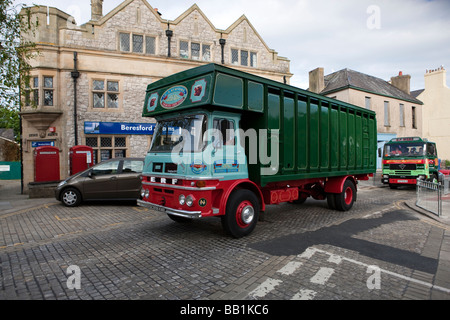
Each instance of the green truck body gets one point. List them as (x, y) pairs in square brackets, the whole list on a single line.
[(247, 141), (407, 159)]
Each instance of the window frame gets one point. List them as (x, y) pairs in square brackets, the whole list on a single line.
[(131, 43), (106, 92), (202, 46)]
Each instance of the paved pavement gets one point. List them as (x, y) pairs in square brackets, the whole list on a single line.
[(100, 262)]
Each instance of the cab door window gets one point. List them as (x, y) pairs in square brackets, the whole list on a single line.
[(225, 132)]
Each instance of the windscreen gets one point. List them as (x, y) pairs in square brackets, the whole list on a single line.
[(188, 130), (404, 150)]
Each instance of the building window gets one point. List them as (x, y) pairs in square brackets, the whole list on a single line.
[(206, 52), (36, 91), (105, 95), (48, 91), (124, 42), (107, 147), (413, 112), (184, 49), (253, 59), (195, 51), (138, 43), (150, 45), (368, 103), (243, 57), (386, 114), (402, 115), (234, 56)]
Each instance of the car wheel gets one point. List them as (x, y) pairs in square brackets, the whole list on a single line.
[(71, 197), (242, 213)]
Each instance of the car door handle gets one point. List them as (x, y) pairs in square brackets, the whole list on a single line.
[(113, 178)]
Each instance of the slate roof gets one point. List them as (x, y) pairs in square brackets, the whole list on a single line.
[(347, 78)]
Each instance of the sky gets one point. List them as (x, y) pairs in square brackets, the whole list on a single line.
[(376, 37)]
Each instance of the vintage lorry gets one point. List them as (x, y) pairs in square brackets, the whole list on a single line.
[(407, 159), (228, 143)]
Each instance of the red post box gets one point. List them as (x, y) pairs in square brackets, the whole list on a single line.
[(81, 158), (46, 164)]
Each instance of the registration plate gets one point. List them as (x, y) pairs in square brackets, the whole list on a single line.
[(160, 209), (402, 181)]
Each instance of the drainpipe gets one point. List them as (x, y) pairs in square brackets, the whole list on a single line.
[(75, 75)]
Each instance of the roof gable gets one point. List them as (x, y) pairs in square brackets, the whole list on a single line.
[(347, 78)]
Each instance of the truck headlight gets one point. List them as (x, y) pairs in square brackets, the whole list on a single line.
[(189, 200), (182, 199)]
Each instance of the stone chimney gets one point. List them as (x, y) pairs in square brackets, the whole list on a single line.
[(316, 80), (402, 82), (96, 10)]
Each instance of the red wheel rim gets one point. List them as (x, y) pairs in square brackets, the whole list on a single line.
[(348, 196), (244, 214)]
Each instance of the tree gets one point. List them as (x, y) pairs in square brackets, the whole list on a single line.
[(15, 53)]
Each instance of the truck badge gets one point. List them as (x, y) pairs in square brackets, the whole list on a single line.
[(173, 97)]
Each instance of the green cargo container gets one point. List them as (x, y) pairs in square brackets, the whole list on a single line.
[(288, 144)]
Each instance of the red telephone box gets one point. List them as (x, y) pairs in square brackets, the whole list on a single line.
[(46, 164), (81, 158)]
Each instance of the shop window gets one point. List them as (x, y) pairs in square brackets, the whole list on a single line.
[(107, 147)]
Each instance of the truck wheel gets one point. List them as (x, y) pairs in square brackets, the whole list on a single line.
[(241, 214), (331, 201), (345, 199), (71, 197)]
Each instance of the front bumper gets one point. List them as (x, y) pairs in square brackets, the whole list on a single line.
[(175, 212)]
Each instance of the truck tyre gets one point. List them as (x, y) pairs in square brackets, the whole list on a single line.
[(344, 200), (331, 201), (241, 213), (71, 197)]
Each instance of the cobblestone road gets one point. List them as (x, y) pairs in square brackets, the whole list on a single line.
[(381, 249)]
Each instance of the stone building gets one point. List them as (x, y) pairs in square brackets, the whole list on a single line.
[(89, 80), (436, 110), (399, 114)]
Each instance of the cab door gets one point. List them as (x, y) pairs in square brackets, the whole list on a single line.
[(228, 156)]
